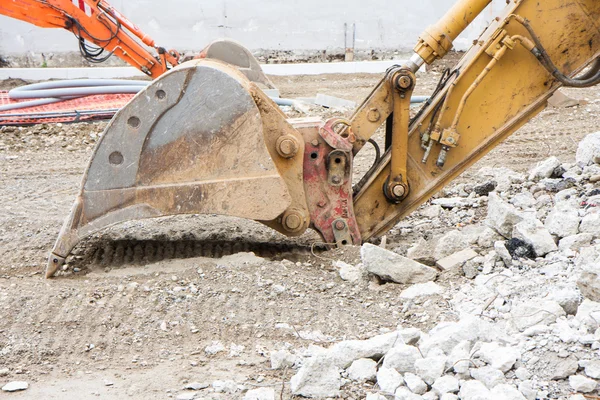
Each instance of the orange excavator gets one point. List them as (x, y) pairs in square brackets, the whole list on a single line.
[(103, 31)]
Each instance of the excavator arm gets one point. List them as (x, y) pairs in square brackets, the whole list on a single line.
[(204, 139), (110, 32), (99, 23)]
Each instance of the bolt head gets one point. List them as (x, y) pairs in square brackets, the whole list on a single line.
[(404, 82), (339, 225), (293, 222), (287, 146), (336, 180), (373, 115), (398, 191)]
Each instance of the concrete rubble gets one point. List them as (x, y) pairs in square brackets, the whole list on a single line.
[(523, 325)]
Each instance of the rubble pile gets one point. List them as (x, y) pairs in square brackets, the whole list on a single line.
[(527, 318)]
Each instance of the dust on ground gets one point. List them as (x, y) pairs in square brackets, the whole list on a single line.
[(147, 297)]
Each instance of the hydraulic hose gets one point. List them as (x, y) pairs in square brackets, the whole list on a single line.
[(590, 78)]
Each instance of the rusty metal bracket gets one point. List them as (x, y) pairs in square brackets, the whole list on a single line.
[(328, 182)]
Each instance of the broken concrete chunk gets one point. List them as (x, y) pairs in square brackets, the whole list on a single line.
[(363, 370), (499, 357), (344, 353), (262, 393), (456, 260), (582, 384), (544, 169), (349, 272), (450, 243), (318, 377), (282, 359), (591, 224), (563, 222), (432, 367), (506, 392), (474, 390), (591, 368), (393, 267), (422, 252), (388, 379), (485, 188), (402, 358), (532, 231), (502, 216), (421, 289), (488, 375), (415, 383), (588, 149), (536, 312), (575, 242), (15, 386), (445, 384)]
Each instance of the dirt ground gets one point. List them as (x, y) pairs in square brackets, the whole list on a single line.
[(141, 301)]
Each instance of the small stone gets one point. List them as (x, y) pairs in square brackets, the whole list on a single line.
[(489, 376), (227, 386), (485, 188), (15, 386), (503, 253), (186, 396), (262, 393), (536, 312), (568, 298), (527, 390), (282, 359), (449, 396), (402, 358), (349, 272), (388, 379), (433, 211), (345, 352), (502, 358), (456, 260), (422, 252), (214, 348), (363, 370), (376, 396), (506, 392), (523, 373), (431, 367), (588, 149), (474, 390), (421, 289), (393, 267), (4, 371), (318, 377), (575, 242), (196, 386), (580, 383), (403, 393), (591, 224), (446, 384), (415, 384), (563, 222), (561, 368), (591, 368), (544, 169)]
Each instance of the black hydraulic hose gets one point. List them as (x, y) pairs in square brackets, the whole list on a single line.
[(590, 78)]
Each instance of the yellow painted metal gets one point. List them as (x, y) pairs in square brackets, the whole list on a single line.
[(437, 39), (507, 96)]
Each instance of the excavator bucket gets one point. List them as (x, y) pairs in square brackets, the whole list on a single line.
[(190, 143), (204, 139)]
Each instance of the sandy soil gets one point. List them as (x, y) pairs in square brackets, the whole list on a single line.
[(141, 301)]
